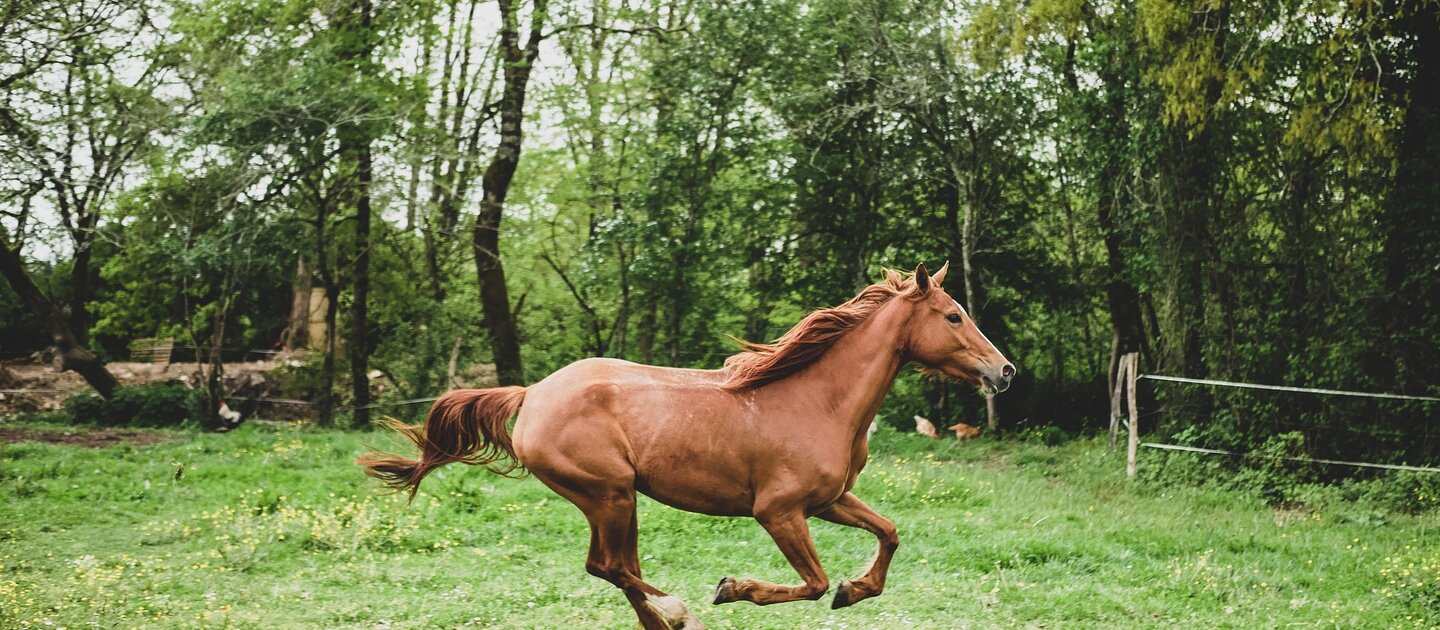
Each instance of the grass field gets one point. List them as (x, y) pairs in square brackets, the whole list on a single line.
[(274, 528)]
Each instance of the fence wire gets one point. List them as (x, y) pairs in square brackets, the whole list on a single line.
[(1276, 417)]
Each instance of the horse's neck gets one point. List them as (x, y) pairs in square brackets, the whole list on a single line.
[(853, 376)]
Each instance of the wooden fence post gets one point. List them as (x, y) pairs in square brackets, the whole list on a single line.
[(1132, 375), (1115, 400)]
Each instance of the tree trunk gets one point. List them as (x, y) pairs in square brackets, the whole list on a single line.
[(450, 383), (327, 367), (214, 393), (1412, 225), (80, 290), (645, 331), (494, 294), (297, 333), (355, 145), (326, 275), (360, 301), (965, 197), (1121, 297), (1186, 234), (72, 354), (1189, 170), (621, 327), (1113, 127)]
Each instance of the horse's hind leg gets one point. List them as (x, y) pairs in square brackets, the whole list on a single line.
[(615, 559), (852, 512), (792, 535)]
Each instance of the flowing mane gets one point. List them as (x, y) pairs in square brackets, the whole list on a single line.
[(761, 363)]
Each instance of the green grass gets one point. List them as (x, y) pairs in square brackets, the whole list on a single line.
[(274, 528)]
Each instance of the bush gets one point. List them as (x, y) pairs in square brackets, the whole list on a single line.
[(1402, 491), (86, 408), (1049, 435), (1275, 478), (159, 405)]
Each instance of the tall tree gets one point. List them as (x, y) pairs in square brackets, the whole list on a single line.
[(357, 37), (1411, 223), (519, 60)]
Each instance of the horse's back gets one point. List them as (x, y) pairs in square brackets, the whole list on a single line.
[(597, 396), (585, 379)]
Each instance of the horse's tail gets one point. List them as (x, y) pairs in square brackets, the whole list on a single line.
[(466, 426)]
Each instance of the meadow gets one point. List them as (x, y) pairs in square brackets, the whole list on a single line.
[(273, 527)]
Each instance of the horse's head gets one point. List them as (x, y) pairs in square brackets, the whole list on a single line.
[(943, 337)]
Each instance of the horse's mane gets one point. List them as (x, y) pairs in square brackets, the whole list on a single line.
[(761, 363)]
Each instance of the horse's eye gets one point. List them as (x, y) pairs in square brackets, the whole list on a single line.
[(953, 318)]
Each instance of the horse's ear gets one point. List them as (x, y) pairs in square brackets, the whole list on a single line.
[(939, 278), (922, 278)]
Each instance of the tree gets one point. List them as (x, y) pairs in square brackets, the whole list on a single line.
[(357, 38), (519, 60), (70, 354), (1411, 224), (80, 111)]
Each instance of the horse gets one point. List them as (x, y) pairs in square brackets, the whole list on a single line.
[(779, 434)]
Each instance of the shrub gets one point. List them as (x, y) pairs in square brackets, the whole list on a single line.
[(158, 405), (1049, 435), (86, 408), (1401, 491), (1277, 479)]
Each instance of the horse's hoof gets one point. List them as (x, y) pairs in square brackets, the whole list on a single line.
[(725, 591), (842, 596), (673, 613)]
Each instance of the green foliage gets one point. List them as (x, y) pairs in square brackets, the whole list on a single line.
[(20, 333), (1049, 435), (191, 256), (720, 169), (157, 405)]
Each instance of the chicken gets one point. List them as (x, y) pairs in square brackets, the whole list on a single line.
[(926, 428), (964, 431), (231, 418)]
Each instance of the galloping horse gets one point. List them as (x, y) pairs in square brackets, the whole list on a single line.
[(779, 434)]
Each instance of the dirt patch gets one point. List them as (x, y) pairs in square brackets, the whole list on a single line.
[(26, 386), (8, 380), (86, 439)]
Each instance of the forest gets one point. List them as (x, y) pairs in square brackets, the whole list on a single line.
[(1240, 191)]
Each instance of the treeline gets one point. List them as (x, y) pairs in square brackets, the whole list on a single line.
[(1237, 190)]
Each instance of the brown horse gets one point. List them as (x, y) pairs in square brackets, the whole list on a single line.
[(778, 434)]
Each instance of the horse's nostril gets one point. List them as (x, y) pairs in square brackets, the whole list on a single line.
[(1008, 371)]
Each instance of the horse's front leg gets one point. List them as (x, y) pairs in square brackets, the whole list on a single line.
[(851, 512), (792, 535)]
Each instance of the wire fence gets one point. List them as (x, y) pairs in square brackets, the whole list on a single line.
[(1310, 460), (1282, 416), (1284, 388), (344, 409)]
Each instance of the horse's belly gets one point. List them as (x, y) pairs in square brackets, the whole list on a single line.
[(697, 491)]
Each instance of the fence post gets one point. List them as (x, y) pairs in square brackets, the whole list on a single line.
[(1115, 400), (1132, 375)]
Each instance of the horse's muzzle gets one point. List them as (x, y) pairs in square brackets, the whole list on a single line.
[(1001, 383)]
